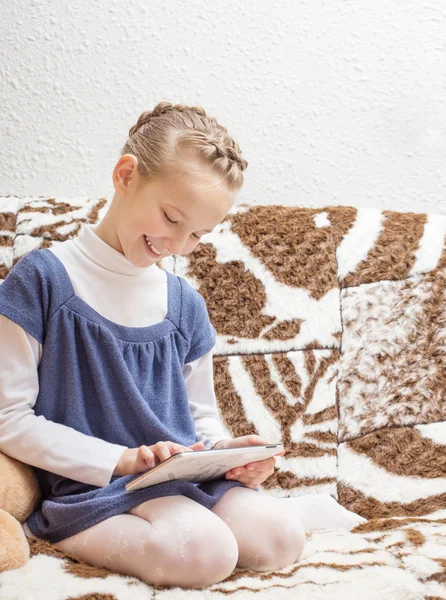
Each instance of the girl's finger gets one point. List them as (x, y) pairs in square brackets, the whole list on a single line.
[(175, 448), (162, 451), (257, 472), (237, 474), (251, 482), (147, 456), (245, 476), (259, 466), (262, 465), (197, 446)]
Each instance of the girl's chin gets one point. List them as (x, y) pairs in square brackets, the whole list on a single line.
[(141, 260)]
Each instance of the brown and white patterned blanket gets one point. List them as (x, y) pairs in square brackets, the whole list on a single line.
[(331, 330)]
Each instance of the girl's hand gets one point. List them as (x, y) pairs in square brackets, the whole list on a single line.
[(254, 473), (138, 460)]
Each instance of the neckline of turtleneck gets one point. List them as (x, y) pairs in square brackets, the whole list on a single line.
[(105, 255)]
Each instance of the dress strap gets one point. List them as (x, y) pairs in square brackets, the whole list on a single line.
[(64, 280), (33, 292), (174, 299)]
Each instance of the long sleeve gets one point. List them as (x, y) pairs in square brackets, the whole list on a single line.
[(33, 439), (199, 378)]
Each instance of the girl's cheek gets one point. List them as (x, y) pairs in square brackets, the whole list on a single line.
[(190, 247)]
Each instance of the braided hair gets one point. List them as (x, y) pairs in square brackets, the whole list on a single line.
[(174, 137)]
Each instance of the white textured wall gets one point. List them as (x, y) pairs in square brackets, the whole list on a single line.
[(340, 102)]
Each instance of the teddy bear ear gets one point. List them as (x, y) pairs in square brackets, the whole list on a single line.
[(14, 547)]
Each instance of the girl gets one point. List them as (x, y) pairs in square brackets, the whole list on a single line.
[(107, 370)]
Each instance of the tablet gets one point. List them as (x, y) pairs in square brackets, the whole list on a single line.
[(202, 465)]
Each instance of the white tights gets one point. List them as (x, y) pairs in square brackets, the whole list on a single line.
[(175, 541)]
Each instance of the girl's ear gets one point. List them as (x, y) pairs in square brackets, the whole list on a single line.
[(126, 170)]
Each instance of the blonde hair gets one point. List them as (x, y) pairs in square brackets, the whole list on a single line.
[(174, 138)]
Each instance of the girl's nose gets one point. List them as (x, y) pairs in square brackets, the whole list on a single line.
[(174, 246)]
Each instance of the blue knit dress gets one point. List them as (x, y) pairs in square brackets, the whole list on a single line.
[(122, 384)]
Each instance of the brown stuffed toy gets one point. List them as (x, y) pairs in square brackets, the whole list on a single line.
[(19, 495)]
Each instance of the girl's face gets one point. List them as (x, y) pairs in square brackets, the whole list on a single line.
[(151, 220)]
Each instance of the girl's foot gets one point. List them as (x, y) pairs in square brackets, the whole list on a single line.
[(321, 511)]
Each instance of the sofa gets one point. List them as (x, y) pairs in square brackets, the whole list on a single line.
[(331, 328)]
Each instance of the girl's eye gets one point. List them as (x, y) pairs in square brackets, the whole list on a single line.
[(169, 220)]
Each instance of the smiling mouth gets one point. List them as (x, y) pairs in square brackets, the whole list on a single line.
[(152, 248)]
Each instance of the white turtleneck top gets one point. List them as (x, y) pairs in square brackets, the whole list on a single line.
[(125, 294)]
